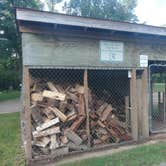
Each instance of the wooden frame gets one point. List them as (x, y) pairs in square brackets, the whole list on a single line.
[(133, 111), (133, 103), (26, 103), (62, 19), (86, 104), (145, 109)]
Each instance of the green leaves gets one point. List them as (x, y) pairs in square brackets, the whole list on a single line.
[(119, 10), (10, 47)]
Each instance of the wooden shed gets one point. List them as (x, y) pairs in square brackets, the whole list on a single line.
[(88, 83)]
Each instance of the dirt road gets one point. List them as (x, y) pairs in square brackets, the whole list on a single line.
[(10, 106)]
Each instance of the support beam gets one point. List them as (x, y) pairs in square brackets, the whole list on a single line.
[(127, 112), (145, 109), (86, 105), (133, 102), (139, 106), (26, 104)]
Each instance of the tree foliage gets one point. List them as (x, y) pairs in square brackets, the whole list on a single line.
[(10, 48), (119, 10), (51, 4)]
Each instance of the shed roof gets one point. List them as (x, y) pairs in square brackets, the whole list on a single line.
[(24, 14)]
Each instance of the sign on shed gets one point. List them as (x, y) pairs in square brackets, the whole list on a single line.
[(111, 51)]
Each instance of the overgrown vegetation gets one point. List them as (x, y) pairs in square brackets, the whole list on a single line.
[(7, 95), (11, 153), (10, 47)]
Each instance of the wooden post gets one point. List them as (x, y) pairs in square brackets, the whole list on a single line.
[(145, 109), (133, 102), (26, 104), (139, 106), (159, 102), (127, 111), (86, 105)]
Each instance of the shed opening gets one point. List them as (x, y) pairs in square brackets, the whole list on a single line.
[(63, 122)]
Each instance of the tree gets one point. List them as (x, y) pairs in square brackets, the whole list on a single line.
[(119, 10), (51, 4), (10, 48)]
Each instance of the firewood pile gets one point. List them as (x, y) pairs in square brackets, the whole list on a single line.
[(59, 119), (107, 124)]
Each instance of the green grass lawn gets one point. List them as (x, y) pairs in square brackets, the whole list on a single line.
[(11, 153), (7, 95), (148, 155)]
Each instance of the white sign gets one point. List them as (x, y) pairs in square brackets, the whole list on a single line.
[(143, 61), (111, 51)]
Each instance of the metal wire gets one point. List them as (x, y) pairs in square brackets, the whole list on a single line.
[(109, 89)]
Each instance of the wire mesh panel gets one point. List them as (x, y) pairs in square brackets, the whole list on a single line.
[(158, 97), (58, 112), (59, 108), (108, 104)]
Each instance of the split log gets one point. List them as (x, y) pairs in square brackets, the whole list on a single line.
[(79, 89), (60, 151), (51, 131), (36, 97), (64, 140), (77, 123), (50, 115), (54, 95), (36, 115), (47, 124), (72, 136), (101, 108), (54, 144), (106, 112), (58, 113), (43, 142), (52, 87), (72, 97), (73, 146), (71, 116), (63, 106), (81, 105)]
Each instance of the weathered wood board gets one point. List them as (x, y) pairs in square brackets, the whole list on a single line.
[(58, 51)]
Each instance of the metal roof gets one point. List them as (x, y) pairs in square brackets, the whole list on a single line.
[(68, 20)]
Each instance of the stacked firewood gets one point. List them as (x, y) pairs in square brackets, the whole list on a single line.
[(107, 123), (58, 118)]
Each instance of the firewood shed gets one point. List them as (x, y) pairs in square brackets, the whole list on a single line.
[(86, 82)]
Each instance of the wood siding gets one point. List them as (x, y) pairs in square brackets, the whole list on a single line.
[(54, 50)]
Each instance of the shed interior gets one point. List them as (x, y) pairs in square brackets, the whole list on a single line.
[(103, 120)]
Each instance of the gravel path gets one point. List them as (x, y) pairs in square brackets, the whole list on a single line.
[(162, 164), (10, 106)]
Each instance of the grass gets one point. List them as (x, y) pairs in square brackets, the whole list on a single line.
[(159, 87), (7, 95), (148, 155), (11, 153)]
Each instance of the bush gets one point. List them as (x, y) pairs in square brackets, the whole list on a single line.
[(9, 78)]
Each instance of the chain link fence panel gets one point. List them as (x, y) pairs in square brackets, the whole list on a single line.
[(157, 79), (59, 115)]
